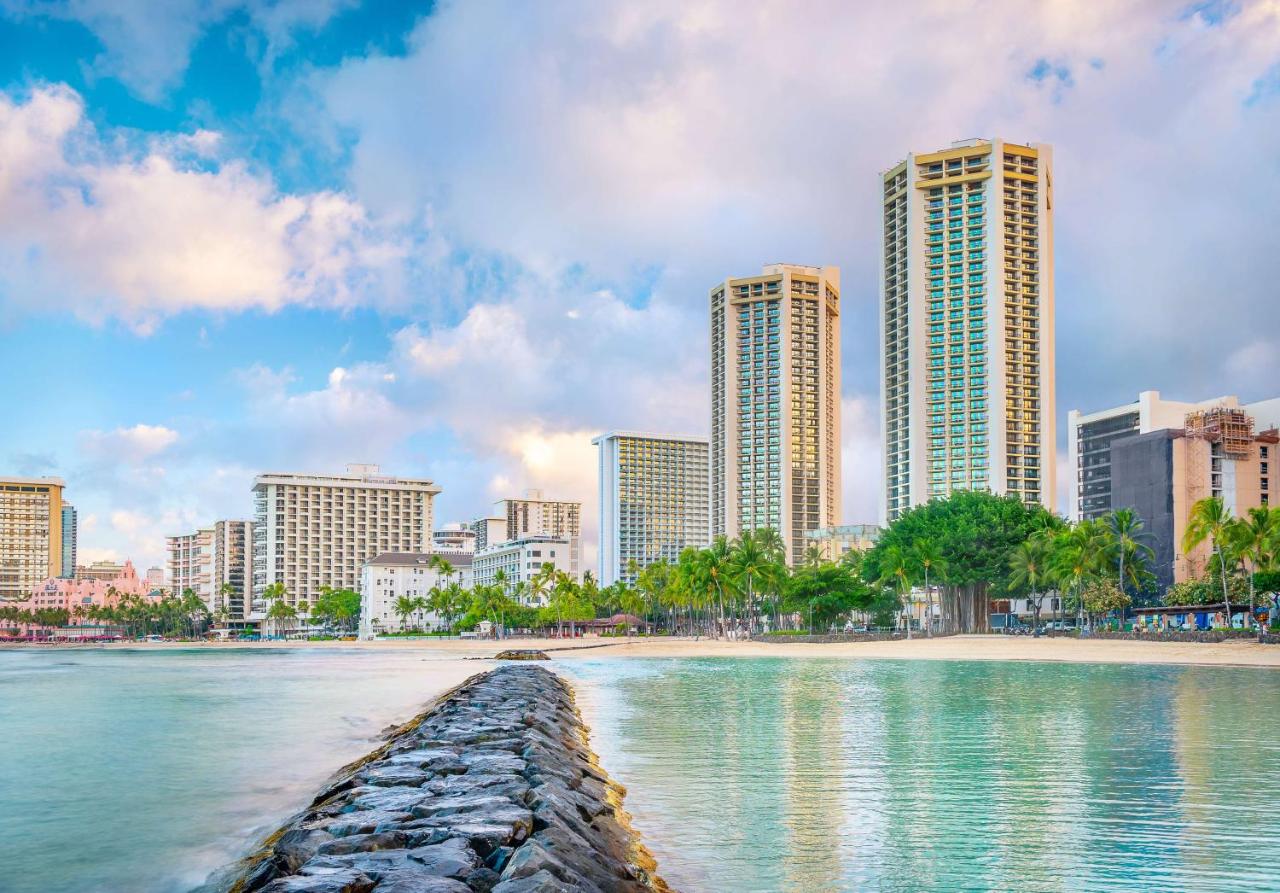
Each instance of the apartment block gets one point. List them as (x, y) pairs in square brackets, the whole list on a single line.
[(520, 560), (190, 557), (775, 403), (1091, 436), (70, 535), (654, 500), (535, 515), (833, 543), (100, 570), (489, 531), (317, 530), (966, 324), (30, 534), (392, 575)]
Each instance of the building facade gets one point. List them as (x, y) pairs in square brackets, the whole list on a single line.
[(316, 530), (67, 594), (654, 500), (99, 570), (454, 538), (233, 569), (967, 324), (1091, 435), (535, 515), (70, 533), (392, 575), (30, 534), (775, 403), (190, 557), (834, 543), (489, 531), (155, 577), (521, 560)]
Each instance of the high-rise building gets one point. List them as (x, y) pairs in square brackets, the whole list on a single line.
[(191, 564), (654, 500), (535, 515), (1091, 435), (316, 530), (30, 534), (775, 403), (233, 569), (69, 535), (489, 531), (966, 322)]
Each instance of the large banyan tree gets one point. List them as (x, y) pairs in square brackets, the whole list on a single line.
[(975, 533)]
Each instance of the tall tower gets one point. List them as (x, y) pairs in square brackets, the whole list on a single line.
[(966, 316), (775, 403)]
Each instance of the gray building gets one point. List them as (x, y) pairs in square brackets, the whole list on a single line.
[(70, 528), (1140, 477)]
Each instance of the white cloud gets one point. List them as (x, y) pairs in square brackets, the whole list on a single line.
[(99, 231), (860, 454), (128, 445)]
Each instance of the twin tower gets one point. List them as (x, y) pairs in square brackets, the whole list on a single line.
[(966, 352)]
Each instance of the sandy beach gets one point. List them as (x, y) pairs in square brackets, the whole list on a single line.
[(975, 647)]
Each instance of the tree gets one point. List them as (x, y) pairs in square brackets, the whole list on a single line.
[(974, 532), (1255, 539), (1127, 544), (1209, 519), (406, 606), (895, 574), (927, 557), (1078, 553), (748, 562), (1030, 571), (281, 612), (339, 607), (827, 591)]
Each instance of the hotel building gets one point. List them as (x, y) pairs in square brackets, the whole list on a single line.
[(520, 560), (100, 570), (966, 322), (392, 575), (775, 403), (191, 564), (70, 529), (835, 542), (30, 534), (317, 530), (1091, 435), (654, 500), (489, 531), (534, 516)]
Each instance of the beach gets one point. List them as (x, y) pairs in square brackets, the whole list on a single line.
[(965, 647)]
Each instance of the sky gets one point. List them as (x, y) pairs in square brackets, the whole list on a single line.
[(460, 239)]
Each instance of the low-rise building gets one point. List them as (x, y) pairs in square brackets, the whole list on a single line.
[(99, 570), (521, 560), (62, 593), (835, 542), (391, 575)]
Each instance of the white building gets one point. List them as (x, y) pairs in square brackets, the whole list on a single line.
[(454, 538), (389, 576), (489, 531), (317, 530), (1090, 436), (217, 564), (966, 323), (654, 499), (535, 515), (520, 561), (775, 403)]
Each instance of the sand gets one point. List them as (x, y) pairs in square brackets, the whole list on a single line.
[(993, 647)]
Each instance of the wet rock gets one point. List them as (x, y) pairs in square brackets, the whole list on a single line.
[(522, 654), (493, 791)]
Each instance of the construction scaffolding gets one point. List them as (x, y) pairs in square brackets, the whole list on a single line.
[(1231, 427)]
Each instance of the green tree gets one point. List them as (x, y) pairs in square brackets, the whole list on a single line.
[(1030, 571), (1127, 547), (826, 592), (281, 612), (405, 606), (927, 558), (1210, 519)]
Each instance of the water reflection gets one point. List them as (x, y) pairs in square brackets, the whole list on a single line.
[(828, 775)]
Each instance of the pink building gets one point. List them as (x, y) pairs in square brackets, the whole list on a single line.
[(58, 592)]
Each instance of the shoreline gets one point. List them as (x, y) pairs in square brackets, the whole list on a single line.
[(958, 648)]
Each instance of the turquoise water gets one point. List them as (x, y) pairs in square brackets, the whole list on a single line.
[(826, 775), (142, 771)]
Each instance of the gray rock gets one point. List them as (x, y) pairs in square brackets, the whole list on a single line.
[(334, 881), (539, 882), (411, 881), (363, 843), (452, 858), (395, 775)]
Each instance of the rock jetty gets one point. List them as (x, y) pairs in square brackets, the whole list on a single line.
[(522, 654), (493, 790)]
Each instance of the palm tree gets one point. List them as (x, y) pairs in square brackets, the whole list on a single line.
[(1078, 551), (748, 562), (1210, 519), (894, 574), (1256, 537), (928, 558), (715, 568), (404, 606), (1125, 529), (1029, 569)]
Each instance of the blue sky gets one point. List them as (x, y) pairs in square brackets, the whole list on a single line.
[(460, 239)]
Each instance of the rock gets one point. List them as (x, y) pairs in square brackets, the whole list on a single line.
[(342, 880), (522, 654), (493, 791), (452, 858)]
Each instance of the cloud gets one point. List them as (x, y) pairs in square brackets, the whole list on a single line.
[(860, 453), (101, 231), (128, 445)]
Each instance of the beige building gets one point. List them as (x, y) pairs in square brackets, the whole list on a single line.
[(30, 534), (317, 530), (191, 564), (966, 322), (835, 542), (654, 500), (775, 403), (100, 570), (535, 516)]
